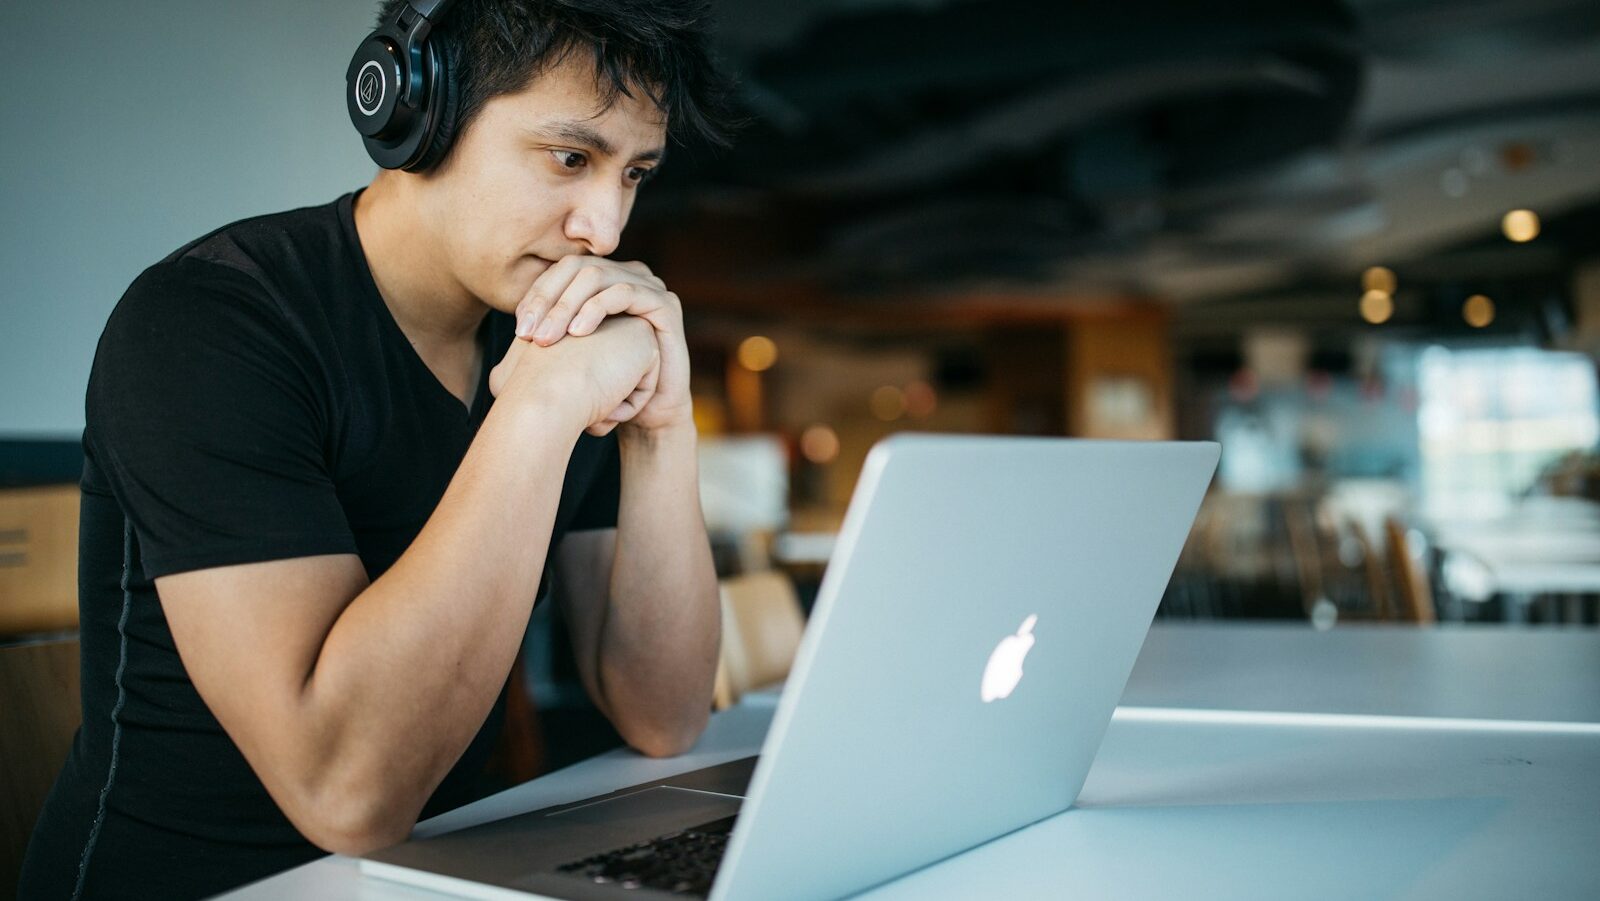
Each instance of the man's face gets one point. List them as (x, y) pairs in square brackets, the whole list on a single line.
[(538, 175)]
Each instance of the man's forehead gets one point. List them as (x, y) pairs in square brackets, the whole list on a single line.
[(593, 134), (567, 102)]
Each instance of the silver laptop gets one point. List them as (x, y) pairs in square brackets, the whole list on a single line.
[(984, 606)]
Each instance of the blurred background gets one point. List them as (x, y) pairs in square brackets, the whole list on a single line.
[(1355, 242)]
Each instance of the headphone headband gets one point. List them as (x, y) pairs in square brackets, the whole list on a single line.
[(432, 10)]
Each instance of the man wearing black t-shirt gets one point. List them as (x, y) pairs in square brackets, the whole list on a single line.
[(311, 543)]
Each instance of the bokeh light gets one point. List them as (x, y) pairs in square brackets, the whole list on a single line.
[(1377, 307), (1378, 278), (819, 444), (888, 403), (757, 353), (1520, 226), (921, 399), (1478, 311)]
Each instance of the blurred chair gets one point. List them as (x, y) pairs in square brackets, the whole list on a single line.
[(1466, 584), (1415, 594), (39, 711), (1341, 574), (1374, 577), (761, 629), (1302, 532)]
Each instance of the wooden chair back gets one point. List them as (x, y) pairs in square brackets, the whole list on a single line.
[(1301, 528), (761, 628), (1415, 590), (1374, 578)]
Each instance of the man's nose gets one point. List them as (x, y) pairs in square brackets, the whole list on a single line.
[(597, 221)]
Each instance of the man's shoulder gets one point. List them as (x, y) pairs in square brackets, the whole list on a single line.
[(279, 266), (269, 246)]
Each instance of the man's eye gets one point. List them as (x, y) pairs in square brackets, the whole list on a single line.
[(640, 174), (569, 159)]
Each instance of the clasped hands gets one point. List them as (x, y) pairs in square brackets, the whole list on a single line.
[(635, 375)]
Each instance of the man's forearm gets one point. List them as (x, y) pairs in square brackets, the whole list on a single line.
[(411, 668), (658, 647)]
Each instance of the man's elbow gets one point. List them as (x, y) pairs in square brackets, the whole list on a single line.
[(350, 822), (353, 838), (667, 739)]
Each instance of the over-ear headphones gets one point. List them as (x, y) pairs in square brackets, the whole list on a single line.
[(400, 90)]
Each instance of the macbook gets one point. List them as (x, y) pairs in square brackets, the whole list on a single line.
[(975, 627)]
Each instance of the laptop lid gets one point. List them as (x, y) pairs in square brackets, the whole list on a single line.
[(984, 607)]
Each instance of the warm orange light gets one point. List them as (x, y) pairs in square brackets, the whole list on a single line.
[(1377, 307), (921, 399), (1520, 226), (757, 353), (1478, 311), (819, 444), (1378, 278), (888, 403)]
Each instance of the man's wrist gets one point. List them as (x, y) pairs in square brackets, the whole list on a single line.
[(637, 440), (546, 408)]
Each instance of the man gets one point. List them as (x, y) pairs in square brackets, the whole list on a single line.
[(310, 544)]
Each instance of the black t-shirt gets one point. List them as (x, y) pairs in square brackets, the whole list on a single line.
[(251, 399)]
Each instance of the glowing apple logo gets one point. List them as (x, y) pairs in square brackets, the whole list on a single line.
[(1005, 664)]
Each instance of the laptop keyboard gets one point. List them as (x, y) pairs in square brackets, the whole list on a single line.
[(682, 862)]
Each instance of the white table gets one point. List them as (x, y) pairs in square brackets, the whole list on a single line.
[(1336, 793), (1543, 546), (1228, 811), (1470, 671)]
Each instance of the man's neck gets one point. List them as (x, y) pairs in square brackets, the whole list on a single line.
[(430, 306)]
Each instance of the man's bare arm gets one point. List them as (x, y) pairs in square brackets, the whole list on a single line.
[(352, 701), (641, 601)]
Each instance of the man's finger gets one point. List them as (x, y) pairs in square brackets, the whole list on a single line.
[(639, 397), (624, 297), (589, 282), (594, 311), (544, 292)]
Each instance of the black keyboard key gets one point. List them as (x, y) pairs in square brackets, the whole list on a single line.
[(682, 862)]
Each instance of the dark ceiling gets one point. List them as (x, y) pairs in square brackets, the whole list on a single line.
[(1151, 148)]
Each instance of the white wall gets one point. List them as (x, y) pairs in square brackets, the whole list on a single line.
[(127, 129)]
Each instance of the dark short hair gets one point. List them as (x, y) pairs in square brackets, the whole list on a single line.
[(659, 47)]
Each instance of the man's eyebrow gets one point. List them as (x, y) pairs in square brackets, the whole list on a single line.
[(585, 136)]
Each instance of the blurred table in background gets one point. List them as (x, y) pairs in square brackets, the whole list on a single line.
[(1544, 546)]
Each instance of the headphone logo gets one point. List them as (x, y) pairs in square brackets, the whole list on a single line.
[(369, 88)]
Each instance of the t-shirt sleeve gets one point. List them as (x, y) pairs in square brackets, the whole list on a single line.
[(203, 412), (598, 509)]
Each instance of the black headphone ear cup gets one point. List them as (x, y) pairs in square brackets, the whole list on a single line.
[(442, 128)]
